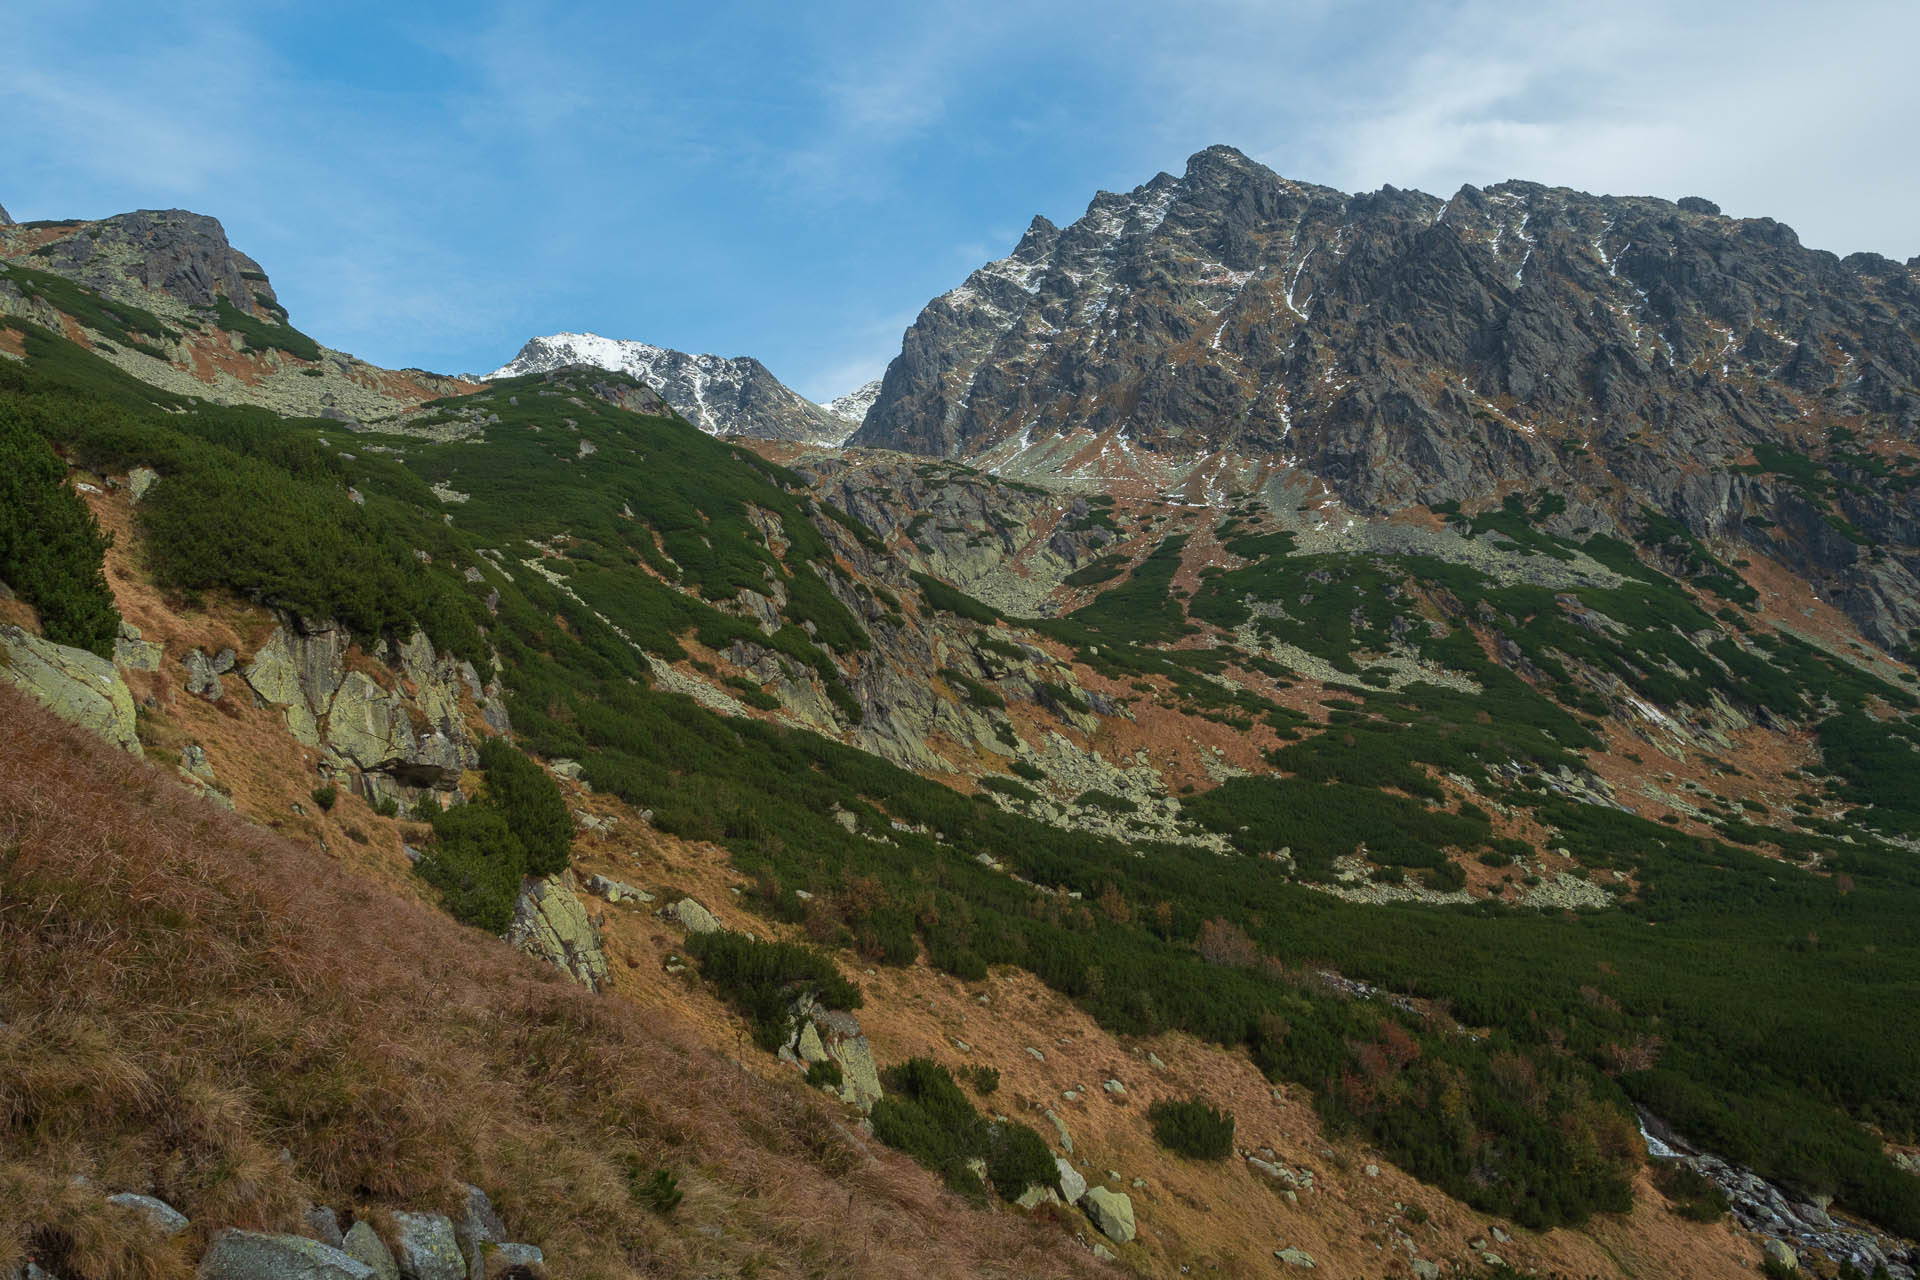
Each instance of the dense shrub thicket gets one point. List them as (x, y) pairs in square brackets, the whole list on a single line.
[(518, 826), (51, 549), (926, 1115), (763, 979), (1192, 1128)]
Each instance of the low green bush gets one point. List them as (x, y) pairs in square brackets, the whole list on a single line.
[(1192, 1129)]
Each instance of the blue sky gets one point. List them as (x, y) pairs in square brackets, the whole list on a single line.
[(430, 184)]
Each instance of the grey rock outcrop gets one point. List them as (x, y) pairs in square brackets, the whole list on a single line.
[(75, 685), (426, 1247), (615, 891), (248, 1255), (846, 1044), (479, 1227), (417, 740), (202, 680), (365, 1245), (551, 924), (140, 482), (6, 220), (1111, 1211)]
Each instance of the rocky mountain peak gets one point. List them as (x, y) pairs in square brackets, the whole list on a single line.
[(181, 255), (721, 396), (852, 407), (6, 219), (1392, 349)]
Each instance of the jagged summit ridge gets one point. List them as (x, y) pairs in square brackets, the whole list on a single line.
[(1393, 348), (721, 396)]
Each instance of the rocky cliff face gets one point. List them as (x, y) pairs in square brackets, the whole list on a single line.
[(718, 395), (1395, 349), (183, 255), (397, 735), (165, 296), (6, 219)]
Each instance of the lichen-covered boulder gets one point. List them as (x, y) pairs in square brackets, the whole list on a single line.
[(846, 1044), (550, 922), (426, 1247), (75, 685), (693, 917), (364, 1244), (248, 1255), (1111, 1211)]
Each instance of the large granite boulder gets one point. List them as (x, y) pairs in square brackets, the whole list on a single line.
[(1072, 1184), (74, 684), (1111, 1211)]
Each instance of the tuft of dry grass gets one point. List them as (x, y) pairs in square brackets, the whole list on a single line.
[(194, 1008)]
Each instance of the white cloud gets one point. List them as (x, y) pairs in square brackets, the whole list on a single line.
[(1768, 108)]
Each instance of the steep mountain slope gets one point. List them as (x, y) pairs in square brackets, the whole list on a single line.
[(164, 296), (718, 395), (1231, 328)]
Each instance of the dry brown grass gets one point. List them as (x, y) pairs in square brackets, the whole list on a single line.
[(186, 997)]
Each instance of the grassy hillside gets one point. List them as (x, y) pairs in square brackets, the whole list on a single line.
[(1764, 1008), (188, 995)]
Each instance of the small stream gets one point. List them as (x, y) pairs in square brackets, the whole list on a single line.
[(1767, 1211)]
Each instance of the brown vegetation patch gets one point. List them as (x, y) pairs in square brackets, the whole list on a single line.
[(189, 994)]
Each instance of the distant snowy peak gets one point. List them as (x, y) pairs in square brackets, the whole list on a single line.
[(718, 395), (852, 407)]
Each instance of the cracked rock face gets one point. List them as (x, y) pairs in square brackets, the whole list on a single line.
[(551, 924), (417, 741), (1405, 349)]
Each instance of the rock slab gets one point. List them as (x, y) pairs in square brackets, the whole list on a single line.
[(551, 924), (248, 1255), (1111, 1211), (75, 685)]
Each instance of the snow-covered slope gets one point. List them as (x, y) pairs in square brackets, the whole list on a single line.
[(718, 395), (853, 406)]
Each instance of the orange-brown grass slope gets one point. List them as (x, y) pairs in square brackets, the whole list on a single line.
[(185, 997)]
